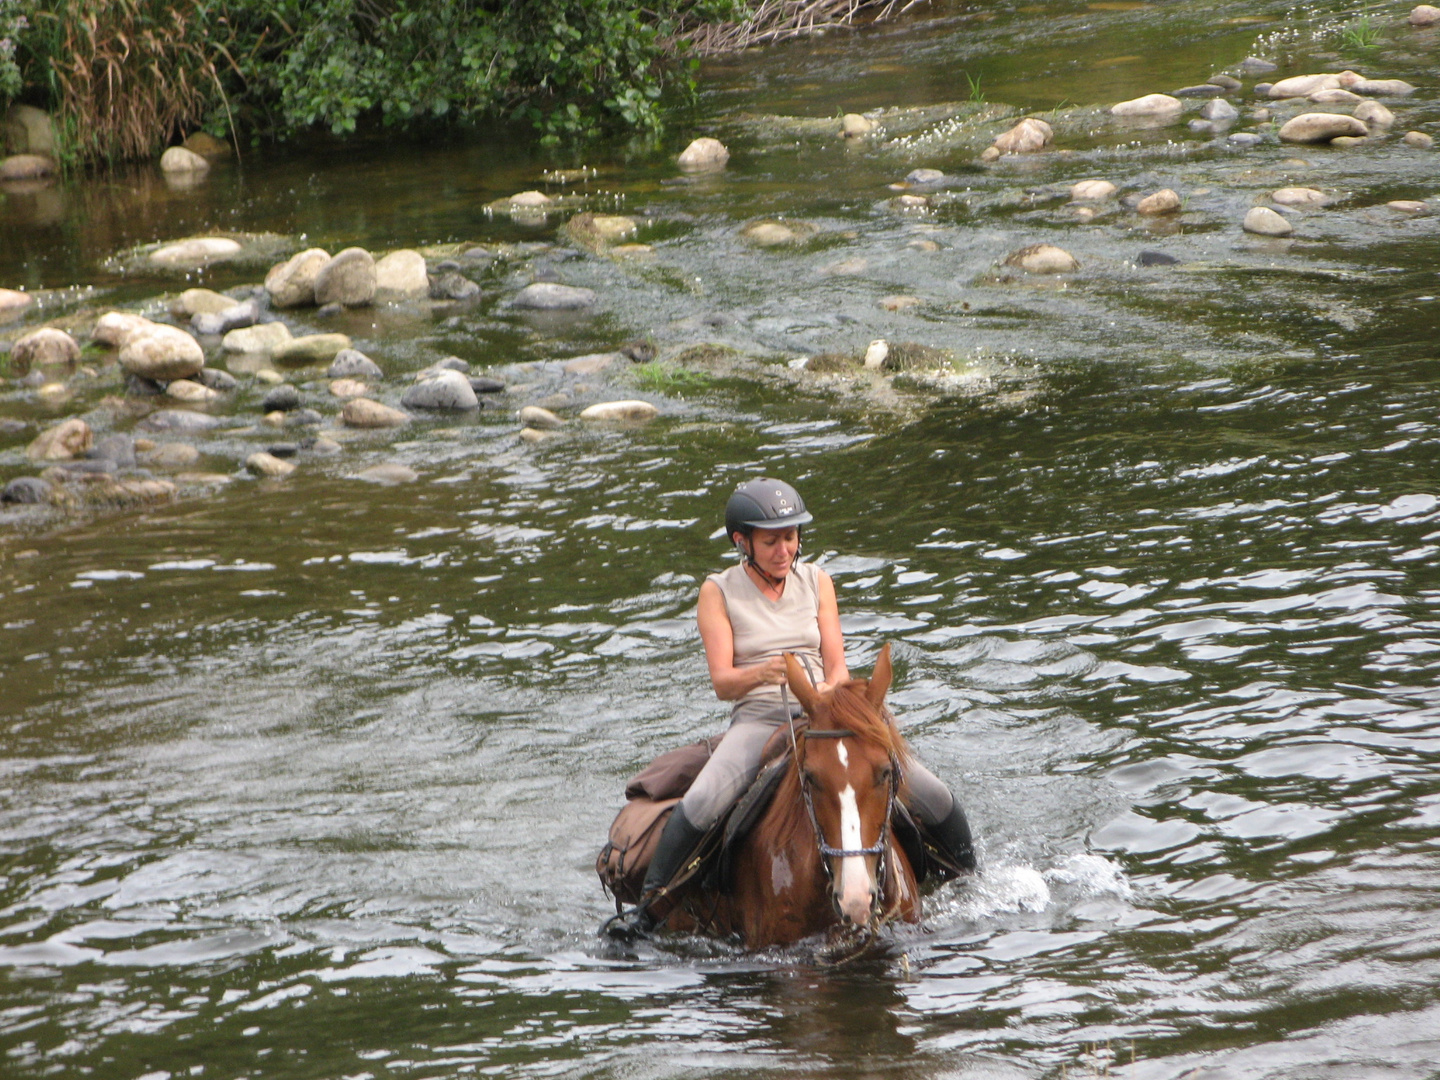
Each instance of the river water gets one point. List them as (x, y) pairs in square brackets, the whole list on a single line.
[(306, 778)]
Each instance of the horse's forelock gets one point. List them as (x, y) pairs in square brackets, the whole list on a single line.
[(847, 708)]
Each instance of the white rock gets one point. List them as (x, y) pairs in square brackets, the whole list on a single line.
[(1383, 87), (1043, 259), (292, 283), (193, 392), (162, 353), (1335, 95), (1409, 206), (67, 439), (46, 345), (855, 126), (264, 338), (533, 416), (1424, 15), (877, 352), (1092, 190), (1299, 196), (704, 153), (195, 252), (401, 273), (1025, 137), (179, 160), (1419, 140), (1148, 105), (1321, 127), (620, 410), (1374, 115), (1164, 201), (1303, 85), (1263, 221), (263, 464)]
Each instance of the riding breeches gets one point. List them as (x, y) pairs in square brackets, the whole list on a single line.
[(736, 762)]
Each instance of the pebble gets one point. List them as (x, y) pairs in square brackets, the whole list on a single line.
[(1043, 259), (1219, 111), (1026, 137), (1263, 221), (620, 410), (263, 464), (1374, 115), (1246, 138), (1150, 105), (348, 388), (29, 490), (351, 363), (310, 349), (1299, 196), (446, 389), (550, 296), (1418, 139), (1164, 201), (68, 439), (45, 346), (282, 398), (899, 303), (388, 474), (533, 416), (173, 455), (1092, 190), (192, 392), (364, 413)]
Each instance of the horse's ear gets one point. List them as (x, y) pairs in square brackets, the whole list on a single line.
[(800, 684), (880, 678)]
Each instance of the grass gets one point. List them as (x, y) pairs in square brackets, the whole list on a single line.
[(671, 379), (1359, 34), (977, 95)]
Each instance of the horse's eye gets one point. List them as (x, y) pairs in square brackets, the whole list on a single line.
[(811, 779), (882, 775)]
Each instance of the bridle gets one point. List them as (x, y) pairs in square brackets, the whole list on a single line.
[(827, 852)]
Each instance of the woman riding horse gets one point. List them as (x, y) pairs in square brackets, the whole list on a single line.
[(749, 616)]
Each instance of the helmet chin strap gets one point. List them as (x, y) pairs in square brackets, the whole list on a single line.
[(747, 556)]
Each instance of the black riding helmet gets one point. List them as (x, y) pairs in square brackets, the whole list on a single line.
[(764, 504)]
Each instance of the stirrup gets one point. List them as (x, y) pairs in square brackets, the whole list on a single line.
[(629, 926)]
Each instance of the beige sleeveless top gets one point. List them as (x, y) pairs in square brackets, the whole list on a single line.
[(763, 628)]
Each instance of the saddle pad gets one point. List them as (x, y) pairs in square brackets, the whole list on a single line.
[(670, 775)]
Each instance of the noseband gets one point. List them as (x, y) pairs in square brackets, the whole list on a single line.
[(826, 851)]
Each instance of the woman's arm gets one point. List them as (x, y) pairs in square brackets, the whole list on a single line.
[(832, 642), (732, 683)]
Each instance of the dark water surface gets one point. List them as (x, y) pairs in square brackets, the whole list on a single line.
[(306, 778)]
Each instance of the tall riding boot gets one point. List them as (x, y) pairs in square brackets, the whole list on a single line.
[(952, 837), (677, 843)]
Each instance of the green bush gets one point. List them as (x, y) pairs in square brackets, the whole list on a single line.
[(12, 22)]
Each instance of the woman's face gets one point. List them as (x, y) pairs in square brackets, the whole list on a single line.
[(773, 550)]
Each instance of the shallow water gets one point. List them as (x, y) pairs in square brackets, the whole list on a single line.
[(306, 778)]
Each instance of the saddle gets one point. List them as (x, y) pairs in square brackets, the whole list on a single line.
[(653, 792)]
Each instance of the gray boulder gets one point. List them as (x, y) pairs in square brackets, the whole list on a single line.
[(551, 296), (282, 398), (453, 285), (26, 489), (445, 389), (353, 364)]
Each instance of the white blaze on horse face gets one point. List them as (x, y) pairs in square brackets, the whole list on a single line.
[(853, 894)]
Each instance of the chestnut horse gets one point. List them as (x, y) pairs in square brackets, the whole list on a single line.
[(823, 856)]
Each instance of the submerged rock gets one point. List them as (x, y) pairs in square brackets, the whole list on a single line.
[(1299, 196), (769, 233), (389, 474), (178, 159), (1419, 140), (265, 464), (1043, 259), (181, 420), (310, 349), (196, 252), (262, 339), (533, 416), (27, 490), (552, 296), (453, 285), (26, 167)]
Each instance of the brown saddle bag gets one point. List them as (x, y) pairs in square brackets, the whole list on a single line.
[(649, 797)]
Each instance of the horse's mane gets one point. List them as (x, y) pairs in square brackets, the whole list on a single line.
[(845, 708)]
